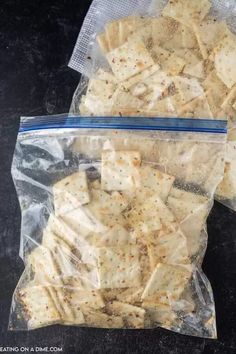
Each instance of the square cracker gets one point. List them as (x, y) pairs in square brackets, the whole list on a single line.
[(39, 306), (168, 248), (133, 315), (70, 193), (188, 11), (154, 181), (149, 214), (167, 278), (225, 55), (120, 170), (208, 34), (119, 267), (129, 59), (183, 38)]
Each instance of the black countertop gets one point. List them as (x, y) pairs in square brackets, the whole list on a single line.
[(36, 41)]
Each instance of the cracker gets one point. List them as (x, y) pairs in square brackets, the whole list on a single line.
[(208, 33), (197, 108), (155, 182), (112, 34), (187, 12), (70, 193), (149, 214), (39, 306), (133, 315), (225, 55), (170, 63), (120, 170), (167, 278), (103, 42), (119, 267), (129, 59), (188, 88), (168, 248)]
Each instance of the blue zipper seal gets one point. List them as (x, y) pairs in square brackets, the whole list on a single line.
[(123, 123)]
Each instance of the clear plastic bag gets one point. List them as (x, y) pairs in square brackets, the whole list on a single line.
[(114, 222), (181, 75)]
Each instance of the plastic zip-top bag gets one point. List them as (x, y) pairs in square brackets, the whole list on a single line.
[(161, 59), (114, 217)]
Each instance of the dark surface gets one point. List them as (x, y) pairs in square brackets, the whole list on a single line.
[(36, 41)]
